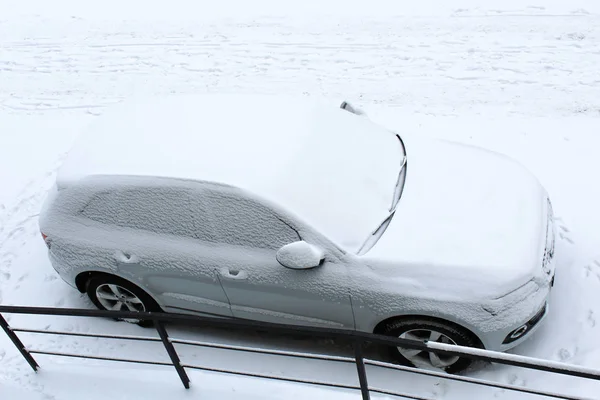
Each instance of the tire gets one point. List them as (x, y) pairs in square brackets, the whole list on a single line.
[(423, 329), (98, 285)]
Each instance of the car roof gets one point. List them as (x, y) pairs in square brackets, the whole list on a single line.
[(331, 168)]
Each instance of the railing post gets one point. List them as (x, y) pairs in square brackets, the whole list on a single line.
[(362, 372), (17, 342), (172, 353)]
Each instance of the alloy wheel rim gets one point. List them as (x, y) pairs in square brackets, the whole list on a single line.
[(118, 298), (423, 358)]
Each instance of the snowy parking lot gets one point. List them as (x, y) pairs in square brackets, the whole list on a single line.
[(520, 78)]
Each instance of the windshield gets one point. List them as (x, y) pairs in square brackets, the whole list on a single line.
[(377, 233)]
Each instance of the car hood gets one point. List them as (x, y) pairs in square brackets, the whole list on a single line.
[(467, 214)]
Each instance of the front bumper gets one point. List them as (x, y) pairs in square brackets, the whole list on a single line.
[(516, 323), (507, 339), (534, 324), (527, 327), (528, 312)]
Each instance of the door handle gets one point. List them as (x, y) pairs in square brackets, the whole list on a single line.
[(126, 258), (231, 273)]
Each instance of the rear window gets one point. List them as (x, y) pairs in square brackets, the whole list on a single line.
[(209, 214), (172, 211)]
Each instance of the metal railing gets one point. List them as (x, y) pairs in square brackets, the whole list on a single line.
[(358, 339)]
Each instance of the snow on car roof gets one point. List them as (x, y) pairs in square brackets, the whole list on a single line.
[(331, 168)]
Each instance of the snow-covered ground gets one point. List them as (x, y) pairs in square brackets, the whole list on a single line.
[(521, 78)]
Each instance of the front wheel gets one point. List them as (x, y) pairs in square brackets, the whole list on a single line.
[(109, 292), (433, 331)]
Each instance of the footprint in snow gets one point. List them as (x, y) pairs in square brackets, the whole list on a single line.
[(591, 319), (565, 355), (5, 263), (14, 232), (440, 389), (563, 231), (592, 269), (514, 379)]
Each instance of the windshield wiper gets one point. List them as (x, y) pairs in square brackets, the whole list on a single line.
[(376, 234), (374, 237), (399, 185), (401, 178)]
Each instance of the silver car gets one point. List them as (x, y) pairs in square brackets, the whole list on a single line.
[(295, 211)]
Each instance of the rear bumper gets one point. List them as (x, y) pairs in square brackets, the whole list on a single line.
[(64, 273)]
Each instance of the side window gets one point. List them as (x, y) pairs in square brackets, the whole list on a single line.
[(244, 222), (161, 210)]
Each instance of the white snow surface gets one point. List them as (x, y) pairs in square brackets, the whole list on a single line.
[(309, 157), (517, 77)]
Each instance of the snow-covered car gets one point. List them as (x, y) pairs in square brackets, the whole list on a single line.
[(294, 211)]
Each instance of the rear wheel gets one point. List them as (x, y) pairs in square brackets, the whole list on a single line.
[(433, 331), (109, 292)]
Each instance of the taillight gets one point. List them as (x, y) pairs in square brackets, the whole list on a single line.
[(46, 240)]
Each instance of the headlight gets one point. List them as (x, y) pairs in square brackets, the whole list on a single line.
[(515, 297), (550, 240)]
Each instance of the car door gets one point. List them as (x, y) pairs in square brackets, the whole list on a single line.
[(155, 243), (248, 235)]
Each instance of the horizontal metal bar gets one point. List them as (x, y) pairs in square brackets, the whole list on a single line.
[(309, 382), (295, 380), (264, 351), (52, 353), (369, 362), (515, 360), (278, 378), (243, 324), (465, 379), (490, 356), (391, 393), (93, 335), (187, 319)]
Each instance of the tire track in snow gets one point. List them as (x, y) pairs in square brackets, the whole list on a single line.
[(401, 61)]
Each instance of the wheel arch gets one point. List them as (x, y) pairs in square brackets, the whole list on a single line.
[(83, 278), (379, 327)]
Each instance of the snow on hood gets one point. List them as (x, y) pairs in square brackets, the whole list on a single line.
[(467, 214)]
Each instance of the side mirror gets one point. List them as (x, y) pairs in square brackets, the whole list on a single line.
[(300, 255)]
